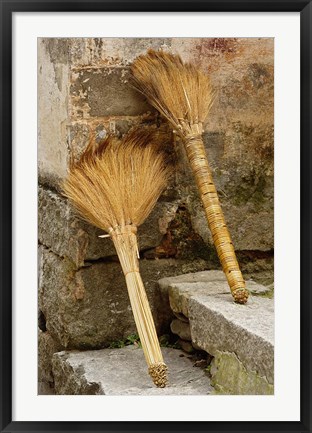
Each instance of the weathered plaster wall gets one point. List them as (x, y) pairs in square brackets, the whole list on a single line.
[(83, 89), (53, 99)]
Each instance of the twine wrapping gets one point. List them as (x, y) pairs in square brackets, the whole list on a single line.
[(125, 241), (197, 156)]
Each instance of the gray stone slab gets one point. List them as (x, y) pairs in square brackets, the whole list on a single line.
[(218, 324), (207, 283), (124, 372), (195, 277)]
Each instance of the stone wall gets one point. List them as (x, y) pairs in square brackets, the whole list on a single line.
[(83, 90)]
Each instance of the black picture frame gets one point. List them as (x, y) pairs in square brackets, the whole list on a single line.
[(7, 9)]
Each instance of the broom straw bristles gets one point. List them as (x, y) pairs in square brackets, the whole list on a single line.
[(180, 92), (118, 182), (114, 186)]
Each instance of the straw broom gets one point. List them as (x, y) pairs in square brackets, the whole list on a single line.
[(114, 186), (183, 95)]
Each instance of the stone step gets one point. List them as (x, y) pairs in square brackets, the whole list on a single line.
[(240, 337), (182, 287), (124, 372)]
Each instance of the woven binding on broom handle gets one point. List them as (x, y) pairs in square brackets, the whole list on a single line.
[(199, 162), (125, 241)]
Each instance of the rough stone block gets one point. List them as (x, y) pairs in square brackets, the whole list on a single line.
[(250, 220), (182, 288), (124, 372), (67, 235), (186, 346), (90, 308), (47, 346), (230, 376), (105, 92), (182, 329), (61, 230), (80, 133), (220, 325)]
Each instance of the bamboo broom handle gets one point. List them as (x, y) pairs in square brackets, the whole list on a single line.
[(146, 329), (125, 242), (196, 153)]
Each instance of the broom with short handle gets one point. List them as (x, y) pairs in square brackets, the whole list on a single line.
[(115, 186), (183, 95)]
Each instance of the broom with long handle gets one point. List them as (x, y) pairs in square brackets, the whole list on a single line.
[(183, 95), (114, 186)]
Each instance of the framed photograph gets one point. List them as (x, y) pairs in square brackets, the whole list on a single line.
[(155, 216)]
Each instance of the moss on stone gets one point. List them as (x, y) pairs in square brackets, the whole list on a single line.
[(230, 376)]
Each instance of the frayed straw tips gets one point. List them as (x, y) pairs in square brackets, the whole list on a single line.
[(240, 295), (158, 373)]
